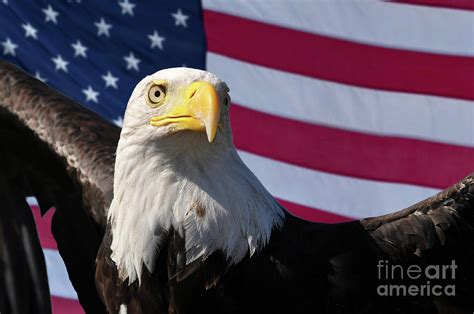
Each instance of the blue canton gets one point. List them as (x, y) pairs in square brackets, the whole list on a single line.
[(97, 51)]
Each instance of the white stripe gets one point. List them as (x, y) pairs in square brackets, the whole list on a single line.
[(378, 23), (342, 106), (32, 201), (59, 284), (337, 194)]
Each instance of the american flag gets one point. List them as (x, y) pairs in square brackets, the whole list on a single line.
[(343, 109)]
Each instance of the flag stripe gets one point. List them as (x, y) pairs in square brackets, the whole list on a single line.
[(452, 4), (433, 118), (327, 58), (43, 225), (59, 284), (341, 195), (63, 295), (350, 153), (420, 30), (312, 214), (63, 305)]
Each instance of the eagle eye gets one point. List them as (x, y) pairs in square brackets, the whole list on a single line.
[(156, 94)]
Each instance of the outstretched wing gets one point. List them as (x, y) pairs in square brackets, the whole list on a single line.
[(437, 232), (63, 154), (339, 267), (440, 223)]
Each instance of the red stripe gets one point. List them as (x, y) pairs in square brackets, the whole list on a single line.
[(338, 60), (43, 225), (66, 306), (312, 214), (452, 4), (349, 153)]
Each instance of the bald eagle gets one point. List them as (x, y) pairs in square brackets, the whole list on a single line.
[(164, 217)]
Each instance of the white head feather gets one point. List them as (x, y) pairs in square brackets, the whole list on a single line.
[(163, 178)]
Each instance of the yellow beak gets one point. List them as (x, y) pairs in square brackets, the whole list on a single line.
[(198, 112)]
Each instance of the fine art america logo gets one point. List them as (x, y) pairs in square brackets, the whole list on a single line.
[(416, 281)]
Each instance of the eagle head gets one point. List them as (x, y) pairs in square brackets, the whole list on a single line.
[(177, 169), (183, 102)]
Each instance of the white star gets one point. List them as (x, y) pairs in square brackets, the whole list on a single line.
[(180, 18), (39, 77), (30, 31), (5, 2), (79, 49), (110, 80), (91, 95), (103, 27), (118, 121), (127, 7), (9, 47), (156, 40), (132, 62), (50, 14), (60, 63)]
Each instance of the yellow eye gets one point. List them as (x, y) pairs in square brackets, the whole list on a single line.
[(156, 94)]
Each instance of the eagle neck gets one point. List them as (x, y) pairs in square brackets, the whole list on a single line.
[(208, 195)]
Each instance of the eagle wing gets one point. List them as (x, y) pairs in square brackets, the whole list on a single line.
[(62, 154), (341, 261), (442, 220)]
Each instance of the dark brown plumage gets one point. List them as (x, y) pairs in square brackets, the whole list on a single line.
[(63, 154)]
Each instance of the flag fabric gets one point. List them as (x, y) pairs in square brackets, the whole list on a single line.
[(343, 109)]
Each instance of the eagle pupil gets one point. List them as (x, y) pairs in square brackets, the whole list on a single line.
[(157, 94)]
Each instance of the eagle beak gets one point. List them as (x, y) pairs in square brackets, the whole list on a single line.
[(198, 112)]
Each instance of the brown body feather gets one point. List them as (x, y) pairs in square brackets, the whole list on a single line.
[(63, 154)]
